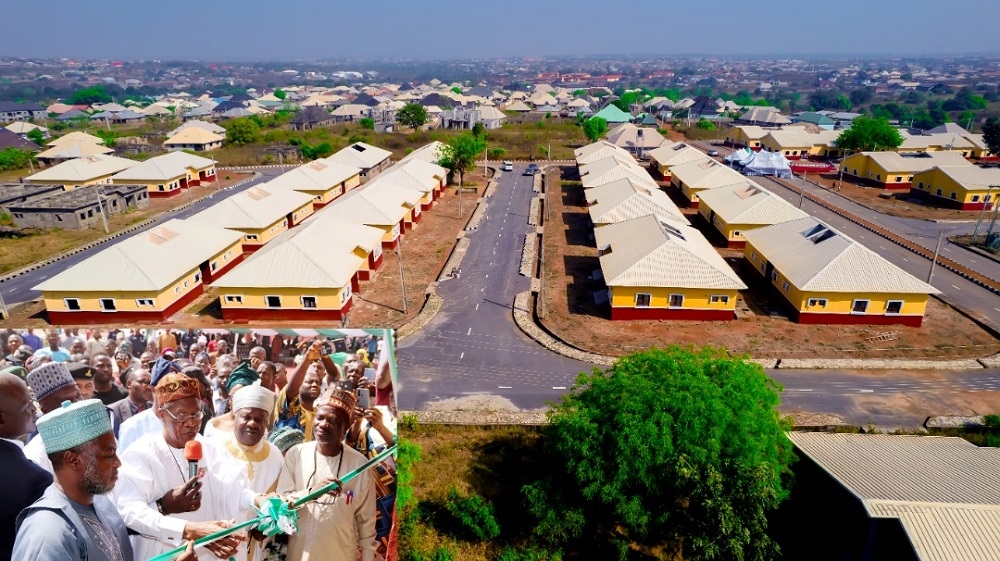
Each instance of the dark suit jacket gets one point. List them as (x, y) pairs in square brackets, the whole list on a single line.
[(120, 411), (23, 482)]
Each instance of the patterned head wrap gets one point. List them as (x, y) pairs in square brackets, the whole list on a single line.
[(340, 400), (175, 387)]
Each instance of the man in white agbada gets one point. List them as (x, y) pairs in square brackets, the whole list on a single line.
[(332, 527), (158, 499), (253, 407)]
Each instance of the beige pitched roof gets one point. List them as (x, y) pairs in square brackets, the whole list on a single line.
[(752, 132), (902, 163), (164, 167), (597, 151), (923, 141), (817, 258), (625, 199), (430, 152), (748, 203), (24, 127), (357, 208), (360, 155), (148, 261), (389, 193), (194, 135), (210, 127), (77, 149), (517, 105), (628, 135), (706, 174), (973, 178), (257, 207), (646, 252), (75, 136), (319, 175), (676, 153), (319, 253), (797, 137), (83, 169), (414, 174)]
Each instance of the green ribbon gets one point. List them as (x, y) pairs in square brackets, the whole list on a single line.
[(275, 517)]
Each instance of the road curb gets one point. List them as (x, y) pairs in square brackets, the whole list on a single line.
[(432, 305)]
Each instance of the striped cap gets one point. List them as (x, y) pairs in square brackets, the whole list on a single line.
[(73, 424)]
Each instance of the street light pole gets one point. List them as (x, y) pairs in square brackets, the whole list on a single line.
[(402, 279), (937, 251), (100, 208), (975, 232)]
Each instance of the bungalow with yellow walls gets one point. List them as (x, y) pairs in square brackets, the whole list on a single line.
[(82, 171), (625, 199), (195, 139), (388, 194), (370, 160), (745, 136), (980, 151), (429, 179), (829, 278), (797, 143), (892, 170), (166, 175), (322, 179), (259, 212), (670, 155), (735, 209), (694, 177), (614, 168), (598, 151), (309, 273), (147, 277), (654, 270), (358, 209), (935, 142), (961, 187)]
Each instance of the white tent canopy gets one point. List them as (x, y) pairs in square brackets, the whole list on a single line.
[(768, 163)]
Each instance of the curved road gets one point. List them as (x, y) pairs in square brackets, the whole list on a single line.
[(472, 346), (19, 289)]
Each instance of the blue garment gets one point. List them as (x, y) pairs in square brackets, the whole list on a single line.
[(24, 483), (58, 355), (32, 340), (51, 529)]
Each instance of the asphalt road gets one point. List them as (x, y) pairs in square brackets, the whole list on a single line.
[(473, 346), (19, 289)]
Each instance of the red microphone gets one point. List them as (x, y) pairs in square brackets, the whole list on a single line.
[(192, 453)]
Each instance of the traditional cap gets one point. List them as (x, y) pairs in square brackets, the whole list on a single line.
[(337, 398), (257, 397), (48, 378), (73, 424), (242, 375), (18, 371), (80, 371), (286, 437), (161, 368), (168, 351), (192, 371), (175, 387)]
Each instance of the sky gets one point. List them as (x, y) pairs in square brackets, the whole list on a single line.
[(267, 30)]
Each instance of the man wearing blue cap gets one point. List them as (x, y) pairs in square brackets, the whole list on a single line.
[(73, 520)]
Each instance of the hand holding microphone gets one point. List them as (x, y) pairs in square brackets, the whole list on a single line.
[(187, 497)]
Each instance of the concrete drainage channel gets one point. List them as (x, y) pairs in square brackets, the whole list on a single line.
[(125, 232)]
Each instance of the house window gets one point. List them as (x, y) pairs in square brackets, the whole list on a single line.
[(345, 295), (920, 185), (72, 304), (975, 198), (59, 218), (855, 171), (177, 290), (251, 237), (940, 193), (185, 284), (144, 302), (197, 276), (719, 299), (816, 303), (899, 179), (859, 306), (785, 286), (893, 307), (159, 187), (774, 276), (309, 302), (82, 215), (676, 300), (234, 299), (273, 301), (736, 233), (878, 177), (107, 304), (215, 265), (910, 179), (642, 300), (952, 195)]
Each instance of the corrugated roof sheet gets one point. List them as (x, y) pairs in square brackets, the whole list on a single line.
[(706, 174), (646, 252), (360, 155), (920, 141), (75, 136), (815, 257), (167, 166), (359, 209), (194, 135), (624, 199), (257, 207), (77, 149), (748, 203), (430, 152), (83, 169), (893, 162), (319, 175), (627, 135), (597, 151), (148, 261), (953, 533), (676, 154)]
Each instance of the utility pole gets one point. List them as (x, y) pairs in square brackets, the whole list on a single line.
[(402, 279), (100, 208), (937, 251), (982, 212)]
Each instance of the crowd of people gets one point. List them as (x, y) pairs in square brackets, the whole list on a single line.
[(98, 430)]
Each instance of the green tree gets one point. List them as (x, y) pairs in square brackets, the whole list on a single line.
[(460, 153), (867, 133), (12, 158), (991, 134), (280, 94), (594, 128), (861, 96), (479, 131), (242, 130), (457, 90), (367, 123), (681, 449), (89, 96), (843, 102), (412, 115), (705, 124), (36, 136)]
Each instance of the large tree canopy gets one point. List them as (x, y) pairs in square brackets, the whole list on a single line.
[(594, 128), (460, 153), (991, 135), (412, 115), (866, 133), (670, 450)]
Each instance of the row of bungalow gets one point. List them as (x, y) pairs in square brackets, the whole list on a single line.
[(656, 266), (293, 248)]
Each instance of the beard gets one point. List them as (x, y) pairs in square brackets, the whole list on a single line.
[(92, 482)]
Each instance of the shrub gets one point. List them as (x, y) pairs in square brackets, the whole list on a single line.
[(474, 514)]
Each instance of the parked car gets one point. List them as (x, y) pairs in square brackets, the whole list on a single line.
[(713, 152), (508, 166), (532, 169)]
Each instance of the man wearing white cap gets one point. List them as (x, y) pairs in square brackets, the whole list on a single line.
[(73, 520), (52, 384), (252, 410)]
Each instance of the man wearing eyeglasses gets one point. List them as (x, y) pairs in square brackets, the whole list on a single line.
[(156, 496)]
